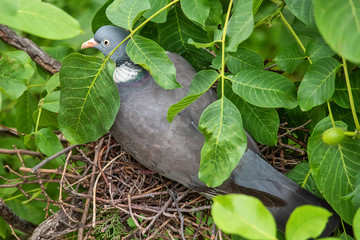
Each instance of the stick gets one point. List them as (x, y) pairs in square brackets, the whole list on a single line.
[(65, 150), (14, 220), (35, 52)]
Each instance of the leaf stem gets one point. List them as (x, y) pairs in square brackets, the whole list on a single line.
[(330, 114), (294, 34), (223, 38), (135, 30), (39, 115), (271, 17), (36, 85), (140, 26), (306, 179), (222, 70), (347, 79)]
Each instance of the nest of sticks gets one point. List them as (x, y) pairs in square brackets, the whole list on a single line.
[(105, 194)]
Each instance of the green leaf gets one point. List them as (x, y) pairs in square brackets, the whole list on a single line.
[(342, 114), (9, 8), (261, 123), (289, 57), (196, 10), (301, 174), (341, 95), (174, 36), (240, 25), (200, 84), (316, 51), (29, 141), (339, 23), (47, 119), (243, 59), (156, 5), (334, 168), (58, 52), (153, 58), (317, 114), (25, 107), (124, 13), (12, 81), (343, 236), (51, 102), (306, 222), (49, 144), (4, 227), (303, 10), (89, 100), (301, 29), (356, 224), (318, 84), (42, 19), (53, 83), (264, 88), (225, 142), (243, 215), (215, 14), (355, 195), (100, 19)]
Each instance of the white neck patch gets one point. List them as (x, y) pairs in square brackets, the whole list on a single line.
[(125, 72)]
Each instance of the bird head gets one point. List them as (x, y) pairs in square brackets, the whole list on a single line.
[(106, 39)]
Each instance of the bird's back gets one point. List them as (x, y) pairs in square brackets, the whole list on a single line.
[(173, 149)]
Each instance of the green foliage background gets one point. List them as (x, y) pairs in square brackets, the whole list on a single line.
[(248, 44)]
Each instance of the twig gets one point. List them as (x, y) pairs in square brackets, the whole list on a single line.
[(152, 236), (97, 180), (213, 231), (35, 154), (42, 163), (294, 129), (13, 131), (49, 171), (269, 67), (21, 151), (35, 52), (173, 195), (132, 214), (13, 233), (157, 215), (92, 182), (12, 185), (60, 190), (100, 167), (197, 229), (302, 152)]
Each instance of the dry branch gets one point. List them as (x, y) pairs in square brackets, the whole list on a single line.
[(14, 220), (34, 51)]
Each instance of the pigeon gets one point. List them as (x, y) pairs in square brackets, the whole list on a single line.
[(173, 149)]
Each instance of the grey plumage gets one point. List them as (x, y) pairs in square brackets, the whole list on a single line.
[(173, 149)]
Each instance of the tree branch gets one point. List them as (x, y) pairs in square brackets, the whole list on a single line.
[(14, 220), (35, 52)]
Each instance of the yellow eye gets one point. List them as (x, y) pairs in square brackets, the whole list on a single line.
[(106, 42)]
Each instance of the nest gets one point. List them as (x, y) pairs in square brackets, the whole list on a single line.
[(105, 194)]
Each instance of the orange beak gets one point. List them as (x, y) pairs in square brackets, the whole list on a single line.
[(89, 44)]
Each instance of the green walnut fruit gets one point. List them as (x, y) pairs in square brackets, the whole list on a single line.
[(333, 136)]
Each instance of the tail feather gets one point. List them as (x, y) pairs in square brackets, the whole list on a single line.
[(295, 197), (255, 173)]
